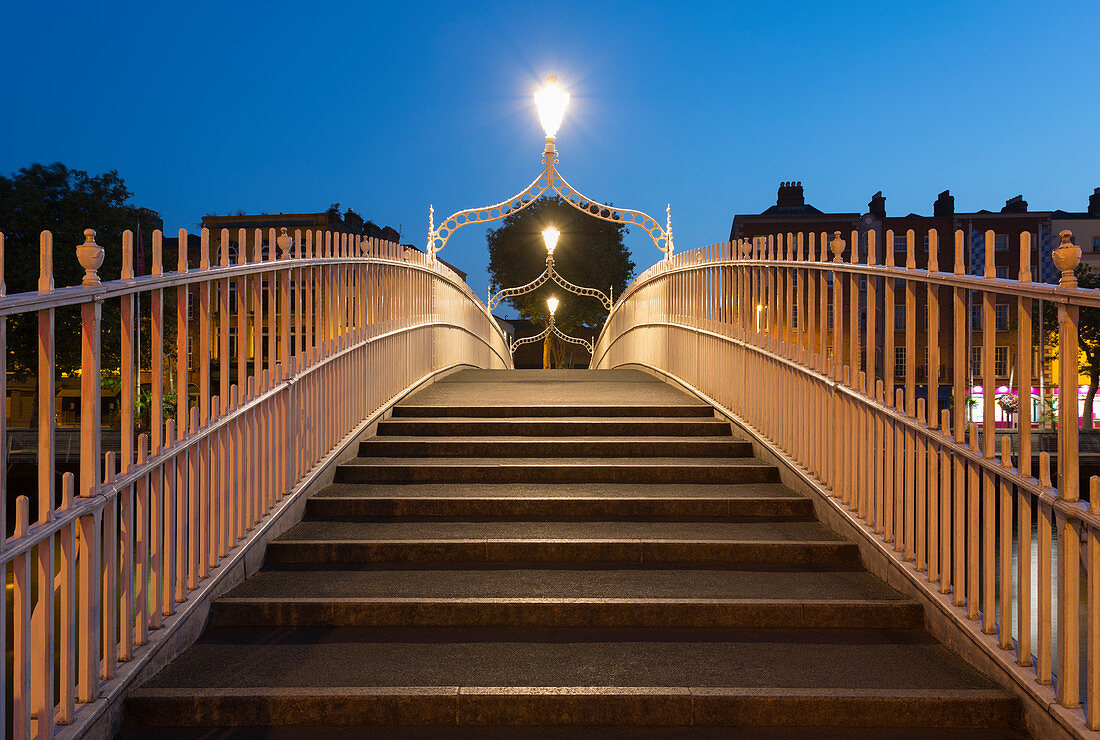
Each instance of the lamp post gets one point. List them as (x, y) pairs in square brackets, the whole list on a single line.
[(550, 239), (551, 102), (551, 329)]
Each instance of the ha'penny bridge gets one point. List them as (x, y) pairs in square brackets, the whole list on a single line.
[(740, 520)]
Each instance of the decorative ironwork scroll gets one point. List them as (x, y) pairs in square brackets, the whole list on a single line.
[(550, 179)]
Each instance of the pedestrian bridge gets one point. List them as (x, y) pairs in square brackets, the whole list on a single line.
[(335, 504)]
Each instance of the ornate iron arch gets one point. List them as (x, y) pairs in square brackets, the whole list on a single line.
[(550, 179), (551, 328)]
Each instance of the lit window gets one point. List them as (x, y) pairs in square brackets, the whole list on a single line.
[(1000, 242), (899, 362), (1000, 361)]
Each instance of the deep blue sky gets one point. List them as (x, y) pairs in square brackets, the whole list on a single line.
[(387, 107)]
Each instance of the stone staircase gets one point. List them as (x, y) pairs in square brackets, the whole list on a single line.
[(590, 551)]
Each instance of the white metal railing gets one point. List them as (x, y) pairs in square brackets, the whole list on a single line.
[(784, 338), (339, 325)]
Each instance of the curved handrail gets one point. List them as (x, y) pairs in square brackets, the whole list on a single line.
[(771, 334)]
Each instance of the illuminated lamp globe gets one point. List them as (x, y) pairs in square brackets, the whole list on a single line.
[(550, 236), (551, 101), (552, 304)]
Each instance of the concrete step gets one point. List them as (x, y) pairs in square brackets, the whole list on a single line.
[(357, 676), (398, 446), (556, 470), (565, 597), (132, 731), (556, 427), (547, 541), (406, 411), (557, 501), (288, 611)]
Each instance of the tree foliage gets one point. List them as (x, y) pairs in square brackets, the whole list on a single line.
[(590, 253), (65, 202), (1088, 337)]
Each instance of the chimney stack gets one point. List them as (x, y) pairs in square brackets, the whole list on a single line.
[(1015, 205), (877, 206), (790, 195), (944, 207), (1094, 203)]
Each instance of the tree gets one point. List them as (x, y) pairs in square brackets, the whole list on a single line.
[(64, 202), (1088, 337), (590, 253)]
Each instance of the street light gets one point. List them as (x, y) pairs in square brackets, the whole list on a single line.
[(550, 236), (551, 101), (551, 330)]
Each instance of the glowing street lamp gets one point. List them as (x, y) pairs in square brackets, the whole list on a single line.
[(550, 237), (551, 330), (551, 101)]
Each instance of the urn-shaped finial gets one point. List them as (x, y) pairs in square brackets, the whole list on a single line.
[(1067, 256), (90, 256), (837, 245), (284, 242)]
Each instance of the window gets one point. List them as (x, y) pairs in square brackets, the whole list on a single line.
[(829, 316), (1002, 272), (863, 321), (863, 283), (190, 304), (899, 283), (1000, 242), (1000, 361), (976, 362), (794, 315), (926, 242), (1096, 243), (925, 309), (899, 317), (975, 317), (1000, 313), (900, 244), (232, 342), (899, 362)]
